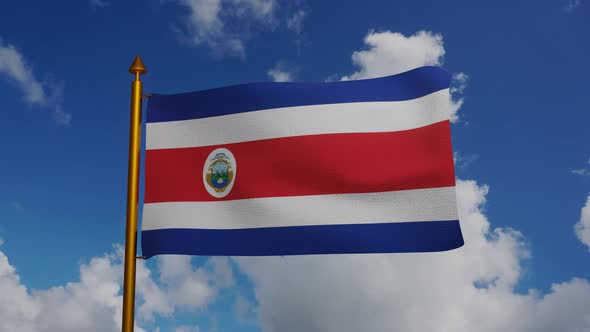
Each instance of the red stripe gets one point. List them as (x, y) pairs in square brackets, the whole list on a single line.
[(310, 165)]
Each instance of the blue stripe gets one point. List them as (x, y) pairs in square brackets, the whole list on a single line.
[(305, 240), (258, 96)]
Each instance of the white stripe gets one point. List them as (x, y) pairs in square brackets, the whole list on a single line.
[(364, 117), (433, 204)]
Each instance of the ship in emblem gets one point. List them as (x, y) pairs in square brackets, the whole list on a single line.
[(219, 172)]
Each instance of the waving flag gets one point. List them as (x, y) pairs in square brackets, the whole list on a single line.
[(302, 168)]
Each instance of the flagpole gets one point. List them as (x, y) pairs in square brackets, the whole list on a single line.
[(137, 68)]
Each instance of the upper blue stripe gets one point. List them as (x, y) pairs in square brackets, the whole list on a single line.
[(305, 240), (258, 96)]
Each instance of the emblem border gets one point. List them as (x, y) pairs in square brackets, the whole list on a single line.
[(207, 164)]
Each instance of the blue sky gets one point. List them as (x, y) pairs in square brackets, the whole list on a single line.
[(521, 142)]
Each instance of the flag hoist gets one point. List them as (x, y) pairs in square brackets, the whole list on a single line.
[(137, 68)]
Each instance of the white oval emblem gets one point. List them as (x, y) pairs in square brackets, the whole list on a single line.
[(219, 172)]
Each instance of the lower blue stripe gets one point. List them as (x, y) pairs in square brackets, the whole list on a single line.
[(305, 240)]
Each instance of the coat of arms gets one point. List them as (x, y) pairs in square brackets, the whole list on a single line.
[(219, 172)]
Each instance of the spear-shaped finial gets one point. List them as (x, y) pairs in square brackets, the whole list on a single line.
[(137, 66)]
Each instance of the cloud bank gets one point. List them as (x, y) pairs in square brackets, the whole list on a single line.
[(94, 303)]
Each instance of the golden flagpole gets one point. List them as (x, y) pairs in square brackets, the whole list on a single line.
[(137, 68)]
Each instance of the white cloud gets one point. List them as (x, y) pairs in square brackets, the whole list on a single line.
[(261, 9), (468, 289), (205, 26), (281, 73), (207, 22), (295, 21), (392, 53), (582, 228), (48, 94), (17, 308), (94, 303), (180, 285), (279, 76), (459, 83), (91, 304), (155, 299), (186, 287), (222, 272), (584, 171), (13, 66)]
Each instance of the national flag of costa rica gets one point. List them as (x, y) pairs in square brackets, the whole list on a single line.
[(302, 168)]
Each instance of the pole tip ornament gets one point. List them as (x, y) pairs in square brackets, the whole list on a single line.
[(137, 66)]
